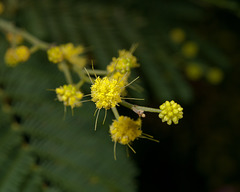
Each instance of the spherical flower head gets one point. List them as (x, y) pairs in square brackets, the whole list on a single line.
[(106, 92), (177, 35), (11, 58), (171, 112), (122, 80), (123, 63), (23, 53), (190, 49), (125, 130), (214, 76), (14, 38), (69, 95), (55, 54), (70, 51), (194, 71)]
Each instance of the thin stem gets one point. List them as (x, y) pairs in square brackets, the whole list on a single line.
[(115, 112), (8, 26), (97, 72), (139, 108), (79, 84), (64, 68), (81, 75)]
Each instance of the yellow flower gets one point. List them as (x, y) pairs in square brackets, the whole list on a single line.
[(69, 95), (55, 54), (13, 56), (70, 51), (193, 71), (106, 92), (14, 38), (23, 53), (171, 112), (123, 63), (122, 80), (67, 51), (190, 49), (177, 35), (1, 8), (125, 130), (214, 75)]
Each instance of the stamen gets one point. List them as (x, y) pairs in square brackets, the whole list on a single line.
[(96, 120), (88, 75), (132, 81)]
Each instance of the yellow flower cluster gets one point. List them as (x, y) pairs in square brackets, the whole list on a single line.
[(123, 63), (14, 38), (69, 95), (67, 51), (13, 56), (171, 112), (125, 130), (106, 92)]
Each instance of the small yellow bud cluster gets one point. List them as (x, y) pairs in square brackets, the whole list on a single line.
[(123, 63), (125, 130), (13, 56), (69, 95), (1, 8), (106, 92), (67, 51), (122, 81), (14, 38), (171, 112)]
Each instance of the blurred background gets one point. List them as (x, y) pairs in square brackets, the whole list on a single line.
[(188, 51)]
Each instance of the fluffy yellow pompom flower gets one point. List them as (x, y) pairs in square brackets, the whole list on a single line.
[(177, 35), (13, 56), (125, 130), (70, 51), (23, 53), (69, 95), (171, 112), (190, 49), (123, 63), (55, 54), (106, 92), (122, 81)]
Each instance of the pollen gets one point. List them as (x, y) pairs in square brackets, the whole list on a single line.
[(171, 112), (13, 56), (55, 54), (125, 130), (123, 63), (106, 92), (69, 95)]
